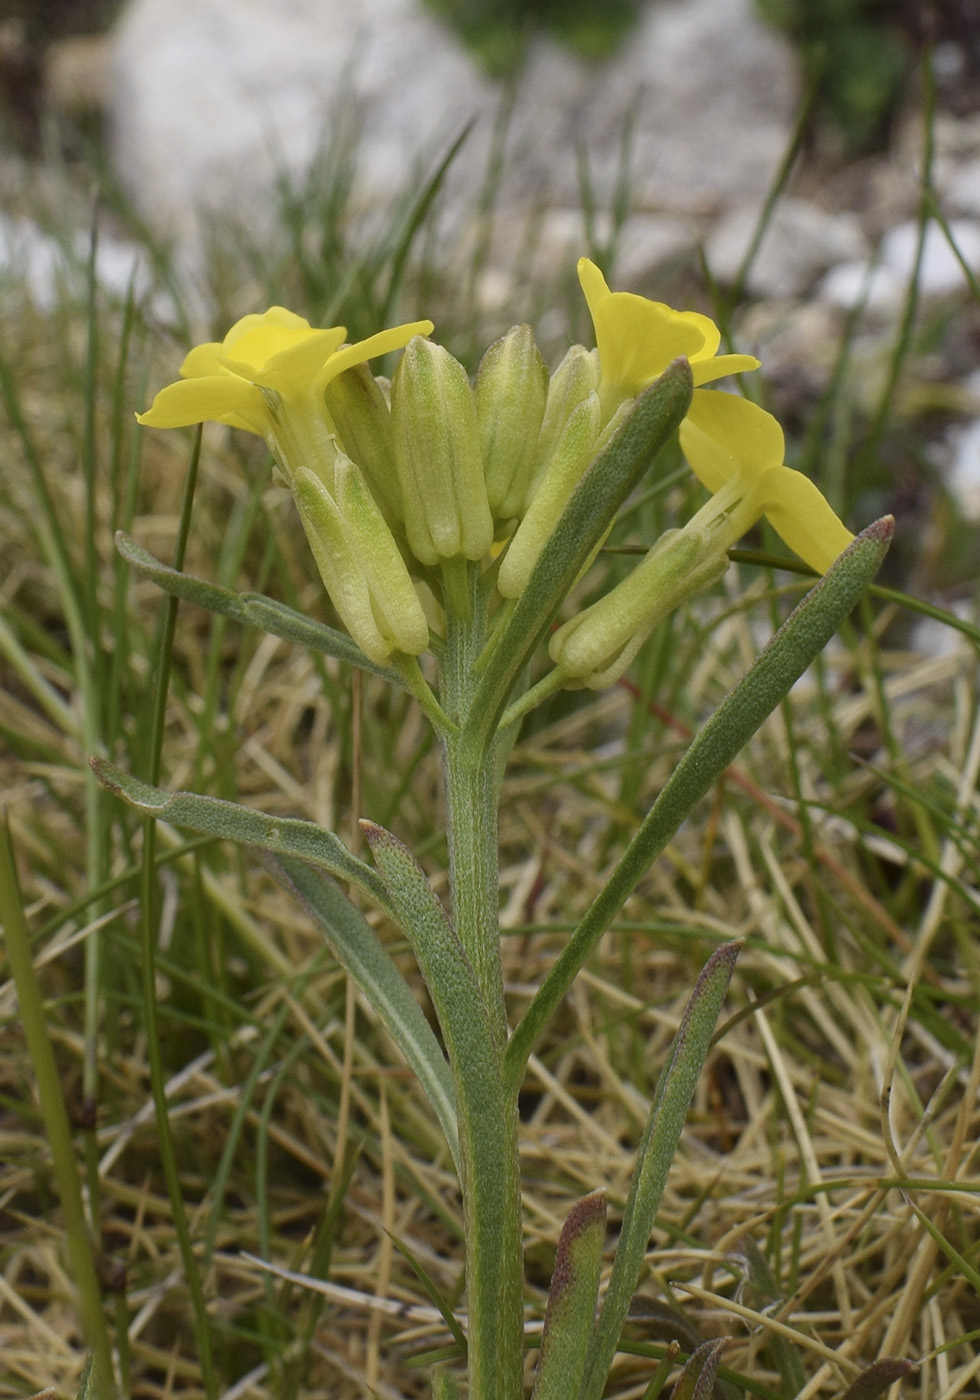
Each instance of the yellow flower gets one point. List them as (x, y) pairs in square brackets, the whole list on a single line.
[(637, 339), (268, 376), (736, 449)]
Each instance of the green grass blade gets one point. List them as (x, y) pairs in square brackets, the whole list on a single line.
[(31, 1004)]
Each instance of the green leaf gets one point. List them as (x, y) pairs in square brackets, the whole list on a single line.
[(697, 1380), (361, 953), (252, 609), (656, 1152), (589, 512), (570, 1315), (212, 816), (802, 637)]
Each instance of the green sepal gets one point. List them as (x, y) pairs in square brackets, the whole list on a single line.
[(229, 821), (361, 415), (801, 638), (437, 456), (510, 391), (671, 1102), (252, 609), (602, 489), (570, 1315), (360, 952)]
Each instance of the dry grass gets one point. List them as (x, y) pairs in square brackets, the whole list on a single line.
[(823, 1209)]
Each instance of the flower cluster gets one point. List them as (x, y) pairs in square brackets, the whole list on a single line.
[(400, 485)]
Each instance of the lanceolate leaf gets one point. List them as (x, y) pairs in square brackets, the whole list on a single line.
[(697, 1380), (359, 950), (283, 836), (253, 609), (663, 1131), (801, 638)]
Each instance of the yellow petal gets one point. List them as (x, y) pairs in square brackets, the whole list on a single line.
[(220, 398), (637, 338), (277, 317), (203, 359), (394, 338), (292, 369), (724, 435), (719, 366), (803, 519)]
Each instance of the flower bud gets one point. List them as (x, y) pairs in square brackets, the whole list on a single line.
[(437, 454), (510, 392), (359, 411), (360, 564), (571, 383), (574, 450), (595, 648)]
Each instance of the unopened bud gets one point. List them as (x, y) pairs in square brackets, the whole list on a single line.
[(437, 453), (595, 648), (360, 563), (359, 411), (572, 382), (510, 392), (574, 450)]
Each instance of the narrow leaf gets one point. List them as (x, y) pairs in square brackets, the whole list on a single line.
[(696, 1381), (252, 609), (360, 952), (801, 638), (212, 816), (656, 1152), (570, 1314), (442, 959), (589, 512)]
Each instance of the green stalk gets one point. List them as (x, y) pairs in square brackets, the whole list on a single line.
[(490, 1176), (488, 1133), (30, 1001)]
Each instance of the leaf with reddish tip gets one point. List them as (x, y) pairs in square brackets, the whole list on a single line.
[(878, 1378), (570, 1315), (697, 1379)]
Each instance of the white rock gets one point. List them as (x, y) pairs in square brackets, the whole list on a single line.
[(962, 188), (800, 242), (940, 271), (211, 98), (885, 283), (46, 270), (879, 288), (963, 472)]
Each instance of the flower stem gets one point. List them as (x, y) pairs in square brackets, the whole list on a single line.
[(490, 1177)]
